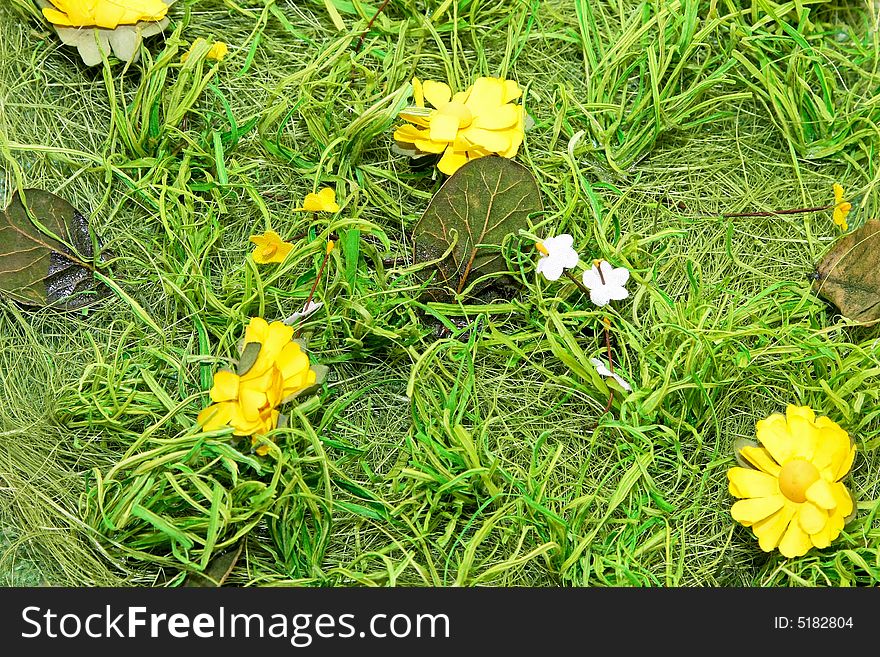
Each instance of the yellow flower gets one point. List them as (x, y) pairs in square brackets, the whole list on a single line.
[(793, 498), (217, 52), (323, 201), (841, 207), (249, 403), (270, 248), (104, 13), (479, 121)]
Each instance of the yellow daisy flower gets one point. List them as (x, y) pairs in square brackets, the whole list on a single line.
[(270, 248), (249, 403), (104, 13), (793, 498), (323, 201), (99, 27), (482, 120), (841, 207)]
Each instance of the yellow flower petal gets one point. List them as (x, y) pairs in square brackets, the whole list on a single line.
[(804, 436), (436, 93), (299, 382), (504, 116), (824, 536), (841, 211), (493, 141), (843, 500), (821, 494), (409, 134), (486, 95), (516, 136), (451, 161), (216, 416), (415, 118), (512, 90), (328, 198), (845, 464), (804, 412), (104, 13), (838, 193), (795, 542), (323, 201), (257, 330), (444, 127), (811, 518), (277, 335), (770, 530), (748, 512), (225, 386), (292, 361), (832, 446), (752, 483), (761, 459), (428, 146), (251, 402), (218, 51), (418, 93), (270, 248), (275, 389), (773, 434)]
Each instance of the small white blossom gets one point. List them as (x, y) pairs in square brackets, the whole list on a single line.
[(606, 283), (557, 256), (305, 312), (604, 371)]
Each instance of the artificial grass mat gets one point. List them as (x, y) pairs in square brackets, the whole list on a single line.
[(460, 443)]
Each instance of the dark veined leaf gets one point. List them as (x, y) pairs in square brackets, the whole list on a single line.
[(849, 274), (476, 208), (219, 568), (248, 357), (45, 252)]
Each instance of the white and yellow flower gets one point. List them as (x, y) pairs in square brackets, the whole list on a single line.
[(606, 283), (557, 255), (104, 26)]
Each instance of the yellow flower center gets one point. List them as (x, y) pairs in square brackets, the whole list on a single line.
[(269, 250), (795, 478), (459, 111), (542, 249)]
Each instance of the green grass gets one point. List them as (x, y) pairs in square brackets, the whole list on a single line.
[(452, 444)]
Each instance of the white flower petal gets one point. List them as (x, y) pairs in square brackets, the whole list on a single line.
[(559, 257), (559, 243), (606, 283), (305, 312), (618, 276), (600, 296), (591, 278), (604, 371), (551, 268)]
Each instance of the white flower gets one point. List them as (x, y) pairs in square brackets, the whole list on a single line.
[(604, 371), (305, 312), (557, 255), (606, 283)]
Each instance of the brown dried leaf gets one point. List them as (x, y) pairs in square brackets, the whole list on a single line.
[(849, 274)]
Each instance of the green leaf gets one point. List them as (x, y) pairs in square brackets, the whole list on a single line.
[(45, 251), (249, 356), (849, 274), (483, 202)]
